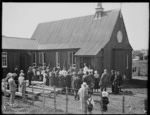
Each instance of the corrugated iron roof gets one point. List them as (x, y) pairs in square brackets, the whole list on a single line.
[(18, 43), (86, 33)]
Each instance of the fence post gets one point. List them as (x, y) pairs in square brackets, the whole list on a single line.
[(43, 98), (123, 100), (24, 91), (66, 99), (54, 98), (32, 95)]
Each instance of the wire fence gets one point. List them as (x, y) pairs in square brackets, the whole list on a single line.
[(59, 101)]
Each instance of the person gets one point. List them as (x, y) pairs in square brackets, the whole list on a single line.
[(38, 73), (6, 80), (12, 88), (77, 85), (85, 69), (112, 76), (20, 80), (30, 75), (83, 95), (44, 76), (115, 83), (34, 72), (47, 76), (104, 101), (50, 77), (80, 73), (61, 80), (3, 86), (120, 81), (85, 76), (64, 72), (96, 78), (90, 103), (68, 81), (104, 80), (72, 81), (17, 75), (91, 81), (145, 106)]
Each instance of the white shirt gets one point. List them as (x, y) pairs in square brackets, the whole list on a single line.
[(85, 69), (92, 102), (64, 72), (20, 79)]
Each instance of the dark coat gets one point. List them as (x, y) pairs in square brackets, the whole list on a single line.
[(116, 83), (112, 77), (77, 83), (68, 81), (30, 75), (120, 80), (105, 101), (61, 81)]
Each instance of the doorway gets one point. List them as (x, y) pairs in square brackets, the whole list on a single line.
[(86, 60)]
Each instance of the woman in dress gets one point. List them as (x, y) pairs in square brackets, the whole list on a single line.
[(96, 76), (21, 79)]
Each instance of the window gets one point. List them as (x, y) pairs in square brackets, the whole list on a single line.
[(71, 58), (4, 59), (34, 59), (42, 58), (57, 58)]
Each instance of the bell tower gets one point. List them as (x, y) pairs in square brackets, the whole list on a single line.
[(99, 11)]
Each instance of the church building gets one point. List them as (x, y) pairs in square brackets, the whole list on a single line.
[(100, 40)]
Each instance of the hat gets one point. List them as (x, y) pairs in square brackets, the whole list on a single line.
[(95, 72), (9, 74), (21, 70), (14, 74), (84, 84), (104, 94)]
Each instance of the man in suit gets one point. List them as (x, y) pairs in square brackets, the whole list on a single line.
[(112, 76), (104, 80), (30, 75)]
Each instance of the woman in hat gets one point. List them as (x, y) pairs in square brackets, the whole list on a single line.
[(83, 95)]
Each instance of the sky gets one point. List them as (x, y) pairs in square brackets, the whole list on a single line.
[(21, 19)]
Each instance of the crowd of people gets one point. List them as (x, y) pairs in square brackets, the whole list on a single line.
[(77, 82)]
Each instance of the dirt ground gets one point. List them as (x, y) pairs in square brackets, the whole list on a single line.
[(134, 97)]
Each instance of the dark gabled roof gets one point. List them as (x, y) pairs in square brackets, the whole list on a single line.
[(86, 33), (18, 43)]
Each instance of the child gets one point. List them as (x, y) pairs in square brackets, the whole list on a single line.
[(90, 104), (105, 101)]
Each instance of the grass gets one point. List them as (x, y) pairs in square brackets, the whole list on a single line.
[(134, 91)]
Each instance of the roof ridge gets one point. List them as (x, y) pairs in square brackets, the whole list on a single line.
[(76, 17), (17, 37)]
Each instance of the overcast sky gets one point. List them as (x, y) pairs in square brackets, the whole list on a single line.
[(21, 19)]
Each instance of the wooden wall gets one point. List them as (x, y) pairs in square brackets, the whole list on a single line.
[(122, 49), (20, 58)]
